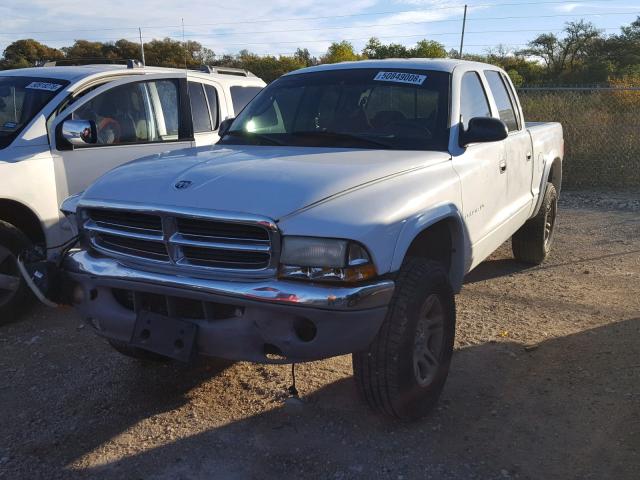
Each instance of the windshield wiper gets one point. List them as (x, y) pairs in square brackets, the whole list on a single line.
[(261, 137), (341, 136)]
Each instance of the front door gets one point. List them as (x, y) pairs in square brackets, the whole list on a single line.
[(482, 175)]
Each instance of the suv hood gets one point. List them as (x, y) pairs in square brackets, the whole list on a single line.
[(260, 180)]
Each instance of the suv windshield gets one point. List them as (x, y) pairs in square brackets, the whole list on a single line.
[(360, 108), (21, 98)]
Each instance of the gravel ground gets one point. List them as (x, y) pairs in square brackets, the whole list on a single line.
[(545, 383)]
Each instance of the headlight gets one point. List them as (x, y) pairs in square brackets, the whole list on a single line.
[(325, 259)]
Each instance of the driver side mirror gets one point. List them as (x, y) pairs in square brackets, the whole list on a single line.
[(224, 127), (79, 132), (483, 130)]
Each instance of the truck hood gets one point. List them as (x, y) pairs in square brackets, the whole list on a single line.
[(260, 180)]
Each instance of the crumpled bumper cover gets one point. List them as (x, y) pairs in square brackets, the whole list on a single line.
[(300, 321)]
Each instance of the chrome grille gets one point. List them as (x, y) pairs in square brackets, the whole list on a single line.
[(183, 239)]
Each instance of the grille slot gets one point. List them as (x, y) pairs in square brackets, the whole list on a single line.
[(225, 258), (133, 246), (127, 221), (221, 230), (188, 241)]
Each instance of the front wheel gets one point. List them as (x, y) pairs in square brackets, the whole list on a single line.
[(14, 293), (404, 370)]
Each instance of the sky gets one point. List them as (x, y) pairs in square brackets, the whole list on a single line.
[(280, 26)]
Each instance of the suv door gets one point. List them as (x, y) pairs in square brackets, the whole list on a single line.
[(518, 145), (134, 117), (479, 165)]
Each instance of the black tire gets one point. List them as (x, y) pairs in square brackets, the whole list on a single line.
[(532, 242), (14, 299), (389, 375), (138, 353)]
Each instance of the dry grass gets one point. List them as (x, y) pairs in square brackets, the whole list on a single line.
[(601, 131)]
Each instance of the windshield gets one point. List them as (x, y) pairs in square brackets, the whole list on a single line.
[(359, 108), (21, 98)]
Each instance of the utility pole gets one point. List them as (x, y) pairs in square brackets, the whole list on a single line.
[(184, 46), (464, 23), (141, 46)]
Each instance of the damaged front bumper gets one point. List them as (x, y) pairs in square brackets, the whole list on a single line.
[(268, 321)]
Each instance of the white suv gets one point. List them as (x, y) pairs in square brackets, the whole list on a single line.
[(63, 127)]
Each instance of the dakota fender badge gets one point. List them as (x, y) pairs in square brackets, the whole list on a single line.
[(400, 77), (182, 184)]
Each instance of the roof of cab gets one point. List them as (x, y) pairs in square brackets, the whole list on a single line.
[(78, 72), (437, 64)]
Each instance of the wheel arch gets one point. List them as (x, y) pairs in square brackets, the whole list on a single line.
[(438, 234), (23, 218), (554, 174)]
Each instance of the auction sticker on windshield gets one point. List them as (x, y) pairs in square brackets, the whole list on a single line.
[(50, 87), (400, 77)]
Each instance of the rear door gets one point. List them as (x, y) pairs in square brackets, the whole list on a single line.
[(134, 117), (518, 145)]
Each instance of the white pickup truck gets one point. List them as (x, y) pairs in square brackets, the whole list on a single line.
[(338, 214), (124, 112)]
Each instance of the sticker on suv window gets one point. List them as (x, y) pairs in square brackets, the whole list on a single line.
[(49, 87), (400, 77)]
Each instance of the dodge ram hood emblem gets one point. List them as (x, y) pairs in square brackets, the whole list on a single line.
[(182, 184)]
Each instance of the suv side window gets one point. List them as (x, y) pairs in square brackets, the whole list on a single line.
[(240, 96), (138, 112), (199, 108), (212, 97), (506, 108), (473, 99)]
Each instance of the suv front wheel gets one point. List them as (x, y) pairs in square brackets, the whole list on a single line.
[(14, 293), (404, 370)]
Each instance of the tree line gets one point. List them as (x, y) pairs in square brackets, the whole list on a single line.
[(582, 54)]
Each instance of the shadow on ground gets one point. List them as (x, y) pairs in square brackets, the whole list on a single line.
[(566, 409)]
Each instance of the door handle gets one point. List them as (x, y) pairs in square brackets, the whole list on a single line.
[(528, 156), (502, 166)]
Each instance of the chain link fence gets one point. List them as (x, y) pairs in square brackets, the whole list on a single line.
[(601, 132)]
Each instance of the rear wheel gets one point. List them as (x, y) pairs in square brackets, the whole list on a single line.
[(532, 242), (14, 293), (404, 370)]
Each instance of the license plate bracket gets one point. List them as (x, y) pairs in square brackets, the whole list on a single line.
[(171, 337)]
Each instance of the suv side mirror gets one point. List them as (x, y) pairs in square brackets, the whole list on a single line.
[(79, 132), (224, 127), (482, 130)]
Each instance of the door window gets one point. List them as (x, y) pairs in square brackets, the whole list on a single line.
[(240, 96), (506, 108), (212, 97), (138, 112), (199, 108), (473, 99)]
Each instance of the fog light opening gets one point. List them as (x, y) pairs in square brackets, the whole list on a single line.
[(145, 334), (305, 329)]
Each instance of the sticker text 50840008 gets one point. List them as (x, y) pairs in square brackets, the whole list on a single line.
[(50, 87), (400, 77)]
